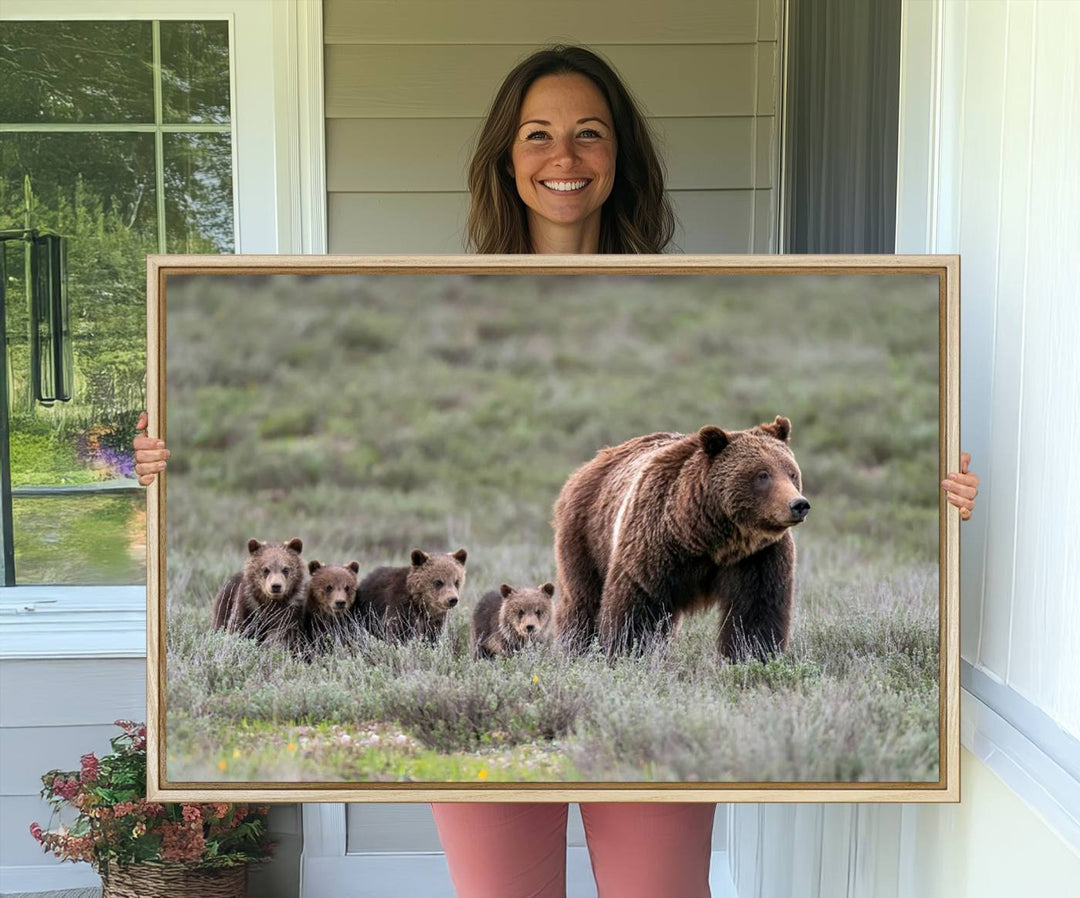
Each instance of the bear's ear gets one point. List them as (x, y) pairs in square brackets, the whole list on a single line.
[(254, 545), (296, 544), (713, 440), (460, 555), (418, 557), (313, 566), (549, 588), (780, 428), (354, 566), (505, 590)]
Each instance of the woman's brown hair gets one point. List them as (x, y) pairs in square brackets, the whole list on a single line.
[(636, 218)]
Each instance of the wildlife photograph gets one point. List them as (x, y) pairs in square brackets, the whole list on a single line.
[(536, 528)]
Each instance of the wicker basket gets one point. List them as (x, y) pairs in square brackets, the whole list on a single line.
[(150, 880)]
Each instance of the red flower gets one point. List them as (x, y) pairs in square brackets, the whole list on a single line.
[(89, 767), (181, 842), (65, 788), (36, 831), (191, 813)]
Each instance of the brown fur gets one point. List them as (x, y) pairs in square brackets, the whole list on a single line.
[(331, 595), (508, 619), (265, 599), (331, 589), (666, 524), (400, 603)]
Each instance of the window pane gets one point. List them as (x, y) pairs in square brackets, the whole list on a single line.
[(98, 191), (195, 71), (198, 193), (76, 72), (81, 540)]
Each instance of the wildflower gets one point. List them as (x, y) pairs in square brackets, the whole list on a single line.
[(89, 768), (291, 746), (483, 774), (236, 753), (65, 788), (536, 678), (221, 765)]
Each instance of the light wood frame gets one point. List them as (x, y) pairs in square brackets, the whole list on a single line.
[(946, 789)]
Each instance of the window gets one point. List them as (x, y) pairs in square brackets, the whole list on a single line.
[(118, 136)]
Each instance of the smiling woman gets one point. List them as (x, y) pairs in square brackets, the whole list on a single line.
[(563, 162), (563, 117)]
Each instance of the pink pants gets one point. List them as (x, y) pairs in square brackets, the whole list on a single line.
[(641, 850)]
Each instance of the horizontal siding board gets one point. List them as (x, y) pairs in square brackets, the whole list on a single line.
[(768, 78), (17, 846), (713, 221), (768, 26), (765, 152), (390, 827), (401, 155), (765, 222), (397, 222), (28, 752), (456, 81), (516, 22), (75, 692), (709, 221)]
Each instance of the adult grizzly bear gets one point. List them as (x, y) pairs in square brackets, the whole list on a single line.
[(267, 597), (399, 603), (669, 523)]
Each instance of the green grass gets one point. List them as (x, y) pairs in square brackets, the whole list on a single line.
[(369, 415), (103, 539)]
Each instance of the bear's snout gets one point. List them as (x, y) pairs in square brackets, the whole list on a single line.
[(800, 508), (340, 604), (530, 627), (452, 601), (275, 588)]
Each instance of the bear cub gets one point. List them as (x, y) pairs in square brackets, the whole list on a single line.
[(266, 598), (400, 603), (331, 591), (508, 619)]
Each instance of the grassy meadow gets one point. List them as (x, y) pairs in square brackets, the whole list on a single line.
[(371, 414)]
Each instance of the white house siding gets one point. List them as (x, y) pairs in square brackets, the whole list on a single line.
[(53, 711)]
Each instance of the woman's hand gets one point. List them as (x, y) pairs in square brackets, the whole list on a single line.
[(150, 454), (962, 488)]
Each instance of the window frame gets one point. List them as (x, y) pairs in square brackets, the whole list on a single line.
[(279, 206)]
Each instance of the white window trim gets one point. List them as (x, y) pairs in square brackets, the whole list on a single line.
[(279, 207)]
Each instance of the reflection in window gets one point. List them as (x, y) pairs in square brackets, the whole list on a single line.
[(118, 136)]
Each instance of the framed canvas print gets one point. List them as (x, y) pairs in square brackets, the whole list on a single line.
[(554, 528)]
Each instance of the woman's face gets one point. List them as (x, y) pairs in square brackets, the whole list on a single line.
[(563, 154)]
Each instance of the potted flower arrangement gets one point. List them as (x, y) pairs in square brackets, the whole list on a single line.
[(142, 847)]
